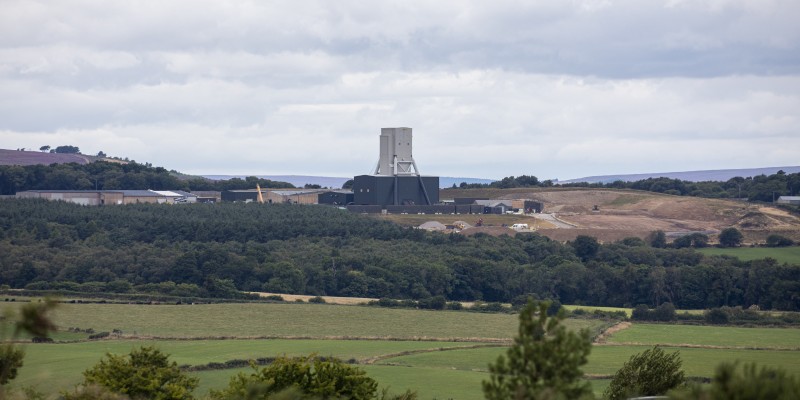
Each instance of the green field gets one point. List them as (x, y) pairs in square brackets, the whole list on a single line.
[(789, 255), (61, 364), (605, 360), (287, 320), (770, 338), (436, 373)]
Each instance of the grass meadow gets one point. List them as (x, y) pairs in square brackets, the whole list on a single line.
[(61, 364), (757, 338), (230, 332), (789, 255), (287, 320)]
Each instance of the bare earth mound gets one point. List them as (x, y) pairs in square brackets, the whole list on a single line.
[(612, 215)]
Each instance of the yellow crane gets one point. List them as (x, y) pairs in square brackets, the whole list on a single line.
[(260, 196)]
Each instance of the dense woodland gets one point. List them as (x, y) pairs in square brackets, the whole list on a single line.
[(212, 249), (114, 176)]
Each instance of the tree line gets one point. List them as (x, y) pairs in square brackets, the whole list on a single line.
[(757, 188), (102, 175), (318, 250)]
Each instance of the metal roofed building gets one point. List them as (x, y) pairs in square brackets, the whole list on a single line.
[(104, 197), (793, 200)]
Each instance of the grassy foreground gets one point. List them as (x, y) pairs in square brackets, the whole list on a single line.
[(437, 373), (789, 255), (61, 364)]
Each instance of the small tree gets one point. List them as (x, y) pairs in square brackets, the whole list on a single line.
[(145, 373), (543, 362), (730, 237), (44, 149), (649, 373)]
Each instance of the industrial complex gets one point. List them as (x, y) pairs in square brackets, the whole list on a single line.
[(395, 187)]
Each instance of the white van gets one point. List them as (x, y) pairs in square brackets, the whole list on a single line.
[(519, 226)]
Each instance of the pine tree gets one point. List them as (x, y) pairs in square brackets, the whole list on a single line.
[(543, 363)]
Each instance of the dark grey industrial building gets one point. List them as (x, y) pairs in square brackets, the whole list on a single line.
[(336, 197), (395, 190)]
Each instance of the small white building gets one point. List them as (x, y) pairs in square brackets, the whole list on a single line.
[(793, 200)]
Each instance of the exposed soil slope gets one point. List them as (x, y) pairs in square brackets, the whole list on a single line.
[(623, 213)]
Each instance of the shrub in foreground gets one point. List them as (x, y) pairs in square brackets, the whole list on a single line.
[(650, 373), (301, 377), (145, 373)]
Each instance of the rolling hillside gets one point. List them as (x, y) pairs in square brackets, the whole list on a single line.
[(14, 157), (719, 175)]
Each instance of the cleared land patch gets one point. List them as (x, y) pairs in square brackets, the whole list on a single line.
[(733, 337), (624, 213)]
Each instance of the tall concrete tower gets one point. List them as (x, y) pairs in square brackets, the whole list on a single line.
[(395, 153), (396, 180)]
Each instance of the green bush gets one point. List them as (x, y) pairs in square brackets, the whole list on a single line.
[(716, 316), (317, 300), (779, 241), (99, 335), (649, 373), (145, 373), (305, 377)]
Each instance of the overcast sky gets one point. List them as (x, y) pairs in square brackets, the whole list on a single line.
[(557, 89)]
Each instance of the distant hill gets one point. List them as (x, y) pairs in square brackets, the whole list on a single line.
[(337, 182), (15, 157), (719, 175)]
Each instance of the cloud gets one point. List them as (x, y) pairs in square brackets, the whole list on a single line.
[(552, 88)]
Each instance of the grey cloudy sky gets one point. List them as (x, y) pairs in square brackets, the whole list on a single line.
[(557, 89)]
